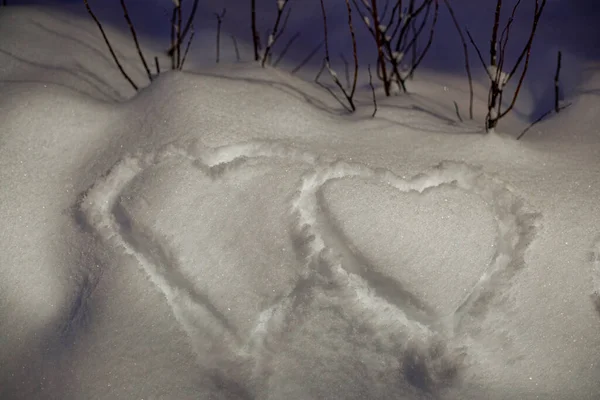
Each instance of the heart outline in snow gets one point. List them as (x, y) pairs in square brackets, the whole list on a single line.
[(516, 226), (324, 264)]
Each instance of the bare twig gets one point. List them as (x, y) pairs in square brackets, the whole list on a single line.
[(328, 88), (416, 63), (349, 95), (498, 78), (286, 48), (173, 38), (372, 91), (479, 54), (397, 34), (494, 41), (525, 54), (539, 119), (307, 59), (187, 48), (235, 46), (557, 107), (495, 70), (544, 115), (219, 22), (285, 20), (354, 49), (325, 31), (179, 33), (157, 65), (346, 70), (188, 24), (135, 39), (379, 41), (255, 37), (466, 54), (556, 83), (457, 111), (110, 48), (275, 34)]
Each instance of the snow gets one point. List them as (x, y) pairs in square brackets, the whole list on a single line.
[(233, 233), (496, 75)]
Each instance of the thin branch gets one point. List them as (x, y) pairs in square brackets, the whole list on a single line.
[(110, 48), (219, 22), (372, 91), (504, 43), (188, 24), (557, 107), (379, 41), (274, 35), (157, 65), (493, 42), (373, 25), (544, 115), (385, 8), (236, 48), (135, 39), (286, 48), (426, 49), (483, 64), (326, 62), (527, 52), (255, 38), (346, 70), (307, 59), (405, 23), (173, 38), (457, 111), (556, 83), (179, 33), (392, 36), (187, 48), (415, 34), (466, 54), (527, 48), (328, 88), (284, 24), (391, 22), (354, 49), (325, 31), (365, 19)]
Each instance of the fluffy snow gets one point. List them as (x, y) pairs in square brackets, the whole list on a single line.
[(232, 233)]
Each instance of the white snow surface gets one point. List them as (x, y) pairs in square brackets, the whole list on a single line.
[(232, 233)]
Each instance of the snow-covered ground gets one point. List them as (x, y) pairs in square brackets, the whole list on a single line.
[(230, 232)]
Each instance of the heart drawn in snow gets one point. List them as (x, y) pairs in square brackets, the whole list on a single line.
[(209, 231), (437, 243), (340, 227), (421, 258)]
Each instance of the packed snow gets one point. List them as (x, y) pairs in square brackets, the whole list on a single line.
[(231, 232)]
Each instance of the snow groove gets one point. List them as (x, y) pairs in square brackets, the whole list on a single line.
[(330, 263)]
